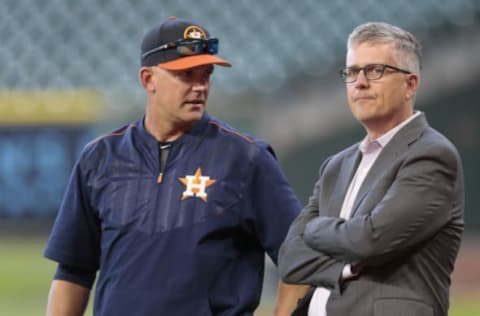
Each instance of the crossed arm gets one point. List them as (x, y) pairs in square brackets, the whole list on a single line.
[(413, 207), (301, 264)]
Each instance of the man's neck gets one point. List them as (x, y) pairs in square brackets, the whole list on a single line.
[(165, 131), (377, 129)]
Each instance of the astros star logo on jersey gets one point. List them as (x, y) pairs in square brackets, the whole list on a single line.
[(196, 185)]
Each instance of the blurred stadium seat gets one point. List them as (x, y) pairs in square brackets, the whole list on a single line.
[(65, 44)]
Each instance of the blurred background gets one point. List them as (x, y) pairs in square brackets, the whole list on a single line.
[(69, 74)]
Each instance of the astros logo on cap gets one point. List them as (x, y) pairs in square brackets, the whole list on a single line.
[(194, 31)]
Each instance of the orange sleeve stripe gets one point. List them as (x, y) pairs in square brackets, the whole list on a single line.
[(248, 139)]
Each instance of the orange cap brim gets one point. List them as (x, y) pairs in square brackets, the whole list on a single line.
[(194, 61)]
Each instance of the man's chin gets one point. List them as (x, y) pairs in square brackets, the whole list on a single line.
[(194, 115)]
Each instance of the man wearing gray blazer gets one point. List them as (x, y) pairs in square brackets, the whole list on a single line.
[(382, 229)]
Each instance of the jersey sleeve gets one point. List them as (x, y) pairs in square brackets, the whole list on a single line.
[(75, 275), (75, 236), (274, 205)]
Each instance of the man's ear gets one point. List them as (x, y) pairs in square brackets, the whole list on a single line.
[(145, 75), (412, 85)]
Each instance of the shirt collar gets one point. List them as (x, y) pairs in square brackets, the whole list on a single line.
[(383, 140)]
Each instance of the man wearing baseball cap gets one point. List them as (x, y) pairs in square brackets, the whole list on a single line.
[(176, 210)]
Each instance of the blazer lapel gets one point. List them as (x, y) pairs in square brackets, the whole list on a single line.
[(349, 166), (397, 145)]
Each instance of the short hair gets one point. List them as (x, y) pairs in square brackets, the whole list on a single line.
[(403, 41)]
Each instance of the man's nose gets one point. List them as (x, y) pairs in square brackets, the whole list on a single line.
[(200, 84), (362, 80)]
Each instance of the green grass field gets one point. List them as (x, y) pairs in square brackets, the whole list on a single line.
[(25, 278)]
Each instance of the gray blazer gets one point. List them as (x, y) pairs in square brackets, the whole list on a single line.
[(404, 232)]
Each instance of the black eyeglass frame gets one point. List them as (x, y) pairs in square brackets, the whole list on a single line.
[(344, 71), (207, 45)]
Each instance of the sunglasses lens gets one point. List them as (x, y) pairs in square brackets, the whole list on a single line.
[(197, 46), (212, 47), (189, 47)]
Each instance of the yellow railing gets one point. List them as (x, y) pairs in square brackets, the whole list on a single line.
[(50, 107)]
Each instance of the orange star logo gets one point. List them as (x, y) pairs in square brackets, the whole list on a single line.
[(196, 185)]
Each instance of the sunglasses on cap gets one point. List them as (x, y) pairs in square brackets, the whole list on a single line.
[(188, 47)]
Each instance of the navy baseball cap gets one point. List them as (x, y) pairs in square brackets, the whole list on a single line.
[(179, 44)]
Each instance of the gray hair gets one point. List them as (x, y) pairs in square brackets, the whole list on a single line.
[(406, 45)]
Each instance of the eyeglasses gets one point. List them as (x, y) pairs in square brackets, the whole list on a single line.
[(371, 72), (188, 47)]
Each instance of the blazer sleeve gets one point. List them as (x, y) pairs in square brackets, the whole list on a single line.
[(415, 206), (299, 263)]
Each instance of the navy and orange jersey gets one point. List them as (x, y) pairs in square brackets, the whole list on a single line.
[(190, 243)]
